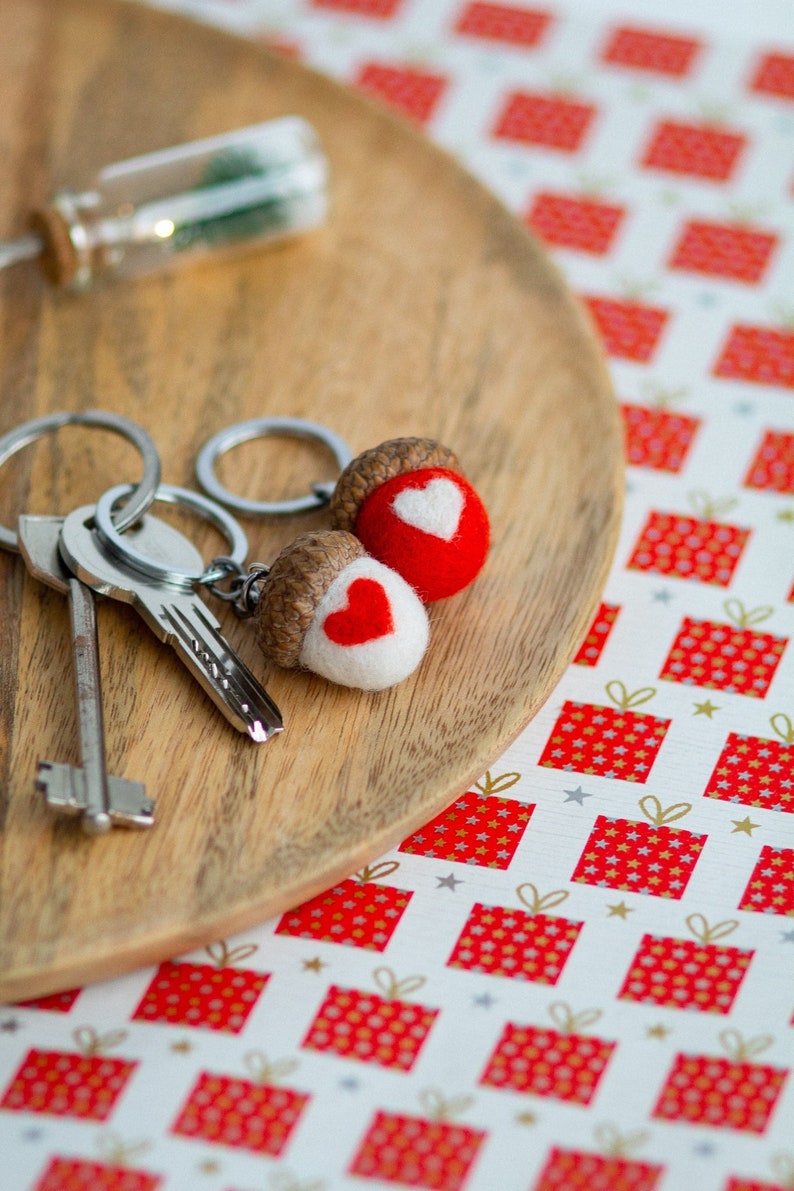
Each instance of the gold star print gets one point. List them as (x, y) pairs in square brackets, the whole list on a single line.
[(526, 1118), (209, 1166), (658, 1031), (619, 910), (744, 825), (786, 515), (183, 1047), (707, 709), (314, 965)]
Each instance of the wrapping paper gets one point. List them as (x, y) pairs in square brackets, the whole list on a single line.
[(581, 975)]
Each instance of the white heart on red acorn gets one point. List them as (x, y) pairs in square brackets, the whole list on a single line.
[(434, 509)]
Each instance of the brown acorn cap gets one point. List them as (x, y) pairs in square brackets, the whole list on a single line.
[(58, 259), (295, 585), (379, 464)]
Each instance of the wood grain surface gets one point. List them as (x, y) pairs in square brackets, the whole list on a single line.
[(422, 308)]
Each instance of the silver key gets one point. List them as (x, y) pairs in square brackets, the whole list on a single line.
[(100, 798), (174, 613)]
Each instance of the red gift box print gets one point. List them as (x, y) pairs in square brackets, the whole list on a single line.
[(612, 1169), (583, 224), (509, 23), (370, 1027), (763, 355), (594, 739), (772, 467), (774, 75), (698, 150), (695, 974), (357, 912), (656, 437), (60, 1002), (524, 944), (641, 857), (770, 889), (215, 996), (368, 8), (647, 49), (562, 1063), (629, 329), (589, 652), (733, 251), (726, 1093), (479, 828), (431, 1151), (255, 1114), (756, 771), (734, 657), (551, 121), (85, 1084), (79, 1174), (683, 547), (414, 93)]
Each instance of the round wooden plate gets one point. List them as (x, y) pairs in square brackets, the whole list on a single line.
[(422, 308)]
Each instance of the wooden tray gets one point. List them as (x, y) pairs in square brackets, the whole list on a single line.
[(423, 308)]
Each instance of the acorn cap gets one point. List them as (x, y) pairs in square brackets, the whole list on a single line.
[(58, 259), (295, 585), (379, 464)]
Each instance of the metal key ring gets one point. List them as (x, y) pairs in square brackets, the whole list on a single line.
[(242, 432), (150, 567), (142, 493)]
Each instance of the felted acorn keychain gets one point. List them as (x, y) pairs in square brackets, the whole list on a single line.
[(409, 505), (325, 605)]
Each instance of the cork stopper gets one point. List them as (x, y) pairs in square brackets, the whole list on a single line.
[(379, 464), (295, 585), (58, 259)]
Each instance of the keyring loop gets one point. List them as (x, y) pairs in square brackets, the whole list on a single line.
[(150, 567), (242, 432), (143, 493)]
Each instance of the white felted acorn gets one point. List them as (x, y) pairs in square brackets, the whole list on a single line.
[(328, 607)]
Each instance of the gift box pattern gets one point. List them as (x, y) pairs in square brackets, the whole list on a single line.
[(581, 1170), (415, 1151), (735, 658), (479, 828), (581, 224), (357, 912), (772, 466), (589, 652), (774, 75), (733, 251), (656, 437), (688, 548), (553, 121), (562, 1063), (757, 354), (698, 973), (647, 50), (629, 329), (506, 23), (596, 739), (78, 1174), (86, 1084), (757, 771), (415, 93), (641, 857), (214, 996), (694, 150), (519, 944), (770, 889), (372, 1028)]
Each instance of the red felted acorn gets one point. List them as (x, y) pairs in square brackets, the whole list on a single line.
[(326, 606), (409, 505)]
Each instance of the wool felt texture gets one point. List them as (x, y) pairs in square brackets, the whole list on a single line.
[(370, 629), (430, 526)]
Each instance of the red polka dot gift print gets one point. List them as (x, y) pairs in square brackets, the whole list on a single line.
[(685, 547), (612, 1168), (734, 657), (216, 996), (757, 770), (85, 1083), (358, 912)]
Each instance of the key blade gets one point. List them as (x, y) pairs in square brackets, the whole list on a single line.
[(38, 545), (222, 674), (64, 787)]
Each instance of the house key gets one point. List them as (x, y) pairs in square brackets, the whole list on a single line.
[(156, 568)]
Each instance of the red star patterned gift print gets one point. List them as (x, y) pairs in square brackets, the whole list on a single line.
[(650, 50), (589, 652), (384, 9), (479, 828), (759, 354), (356, 913), (431, 1151), (255, 1113), (86, 1084), (770, 889), (725, 1093), (774, 75), (595, 739), (581, 223), (690, 547), (755, 770), (610, 1170), (60, 1002), (560, 1063), (511, 24), (657, 437), (629, 329), (772, 467), (549, 121), (730, 250), (698, 973), (412, 92), (734, 657), (694, 149), (77, 1174), (216, 996), (524, 944), (641, 857), (372, 1028)]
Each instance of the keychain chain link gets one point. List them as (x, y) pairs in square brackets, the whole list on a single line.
[(242, 593)]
